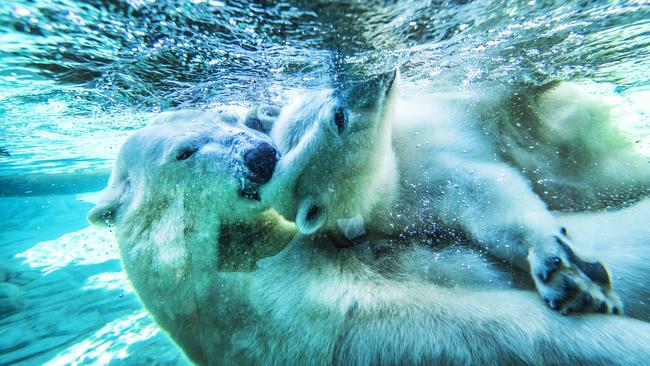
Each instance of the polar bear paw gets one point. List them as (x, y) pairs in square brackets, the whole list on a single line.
[(569, 284)]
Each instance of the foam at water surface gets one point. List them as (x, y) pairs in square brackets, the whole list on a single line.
[(75, 75)]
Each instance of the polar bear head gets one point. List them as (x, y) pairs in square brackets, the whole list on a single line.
[(189, 173), (208, 159), (183, 199), (337, 159)]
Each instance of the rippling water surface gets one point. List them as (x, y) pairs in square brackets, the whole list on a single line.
[(76, 76)]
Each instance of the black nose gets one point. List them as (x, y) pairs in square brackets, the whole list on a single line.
[(261, 160)]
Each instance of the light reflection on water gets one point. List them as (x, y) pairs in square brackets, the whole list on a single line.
[(110, 343), (75, 71), (82, 309)]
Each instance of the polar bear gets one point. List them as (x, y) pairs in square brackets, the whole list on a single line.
[(183, 197), (358, 160), (200, 250)]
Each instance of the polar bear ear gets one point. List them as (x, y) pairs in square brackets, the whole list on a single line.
[(310, 216), (107, 211), (262, 117), (104, 214)]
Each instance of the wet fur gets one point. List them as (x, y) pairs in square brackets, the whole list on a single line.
[(378, 302), (432, 163), (405, 303)]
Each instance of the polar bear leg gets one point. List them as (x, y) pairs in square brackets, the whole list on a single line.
[(356, 317), (495, 206)]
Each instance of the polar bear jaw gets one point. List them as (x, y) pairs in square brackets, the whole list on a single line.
[(311, 189)]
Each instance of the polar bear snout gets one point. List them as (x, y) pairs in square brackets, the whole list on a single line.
[(261, 161)]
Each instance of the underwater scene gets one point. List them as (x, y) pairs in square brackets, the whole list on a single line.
[(402, 182)]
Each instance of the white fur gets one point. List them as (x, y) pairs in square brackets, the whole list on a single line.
[(314, 303), (448, 163)]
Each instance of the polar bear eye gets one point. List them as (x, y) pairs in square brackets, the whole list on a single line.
[(339, 119), (186, 152)]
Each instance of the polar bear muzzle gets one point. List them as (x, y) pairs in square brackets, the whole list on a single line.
[(261, 160)]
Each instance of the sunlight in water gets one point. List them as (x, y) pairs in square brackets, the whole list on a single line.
[(109, 343), (88, 246), (109, 281)]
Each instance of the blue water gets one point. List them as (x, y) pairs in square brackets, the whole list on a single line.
[(76, 77)]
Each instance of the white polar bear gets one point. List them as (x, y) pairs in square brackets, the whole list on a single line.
[(434, 166), (182, 199)]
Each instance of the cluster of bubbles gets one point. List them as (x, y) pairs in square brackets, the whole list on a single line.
[(77, 67), (172, 53)]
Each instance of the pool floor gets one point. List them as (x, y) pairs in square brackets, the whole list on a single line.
[(71, 303)]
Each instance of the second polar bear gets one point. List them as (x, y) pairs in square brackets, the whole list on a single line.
[(358, 161)]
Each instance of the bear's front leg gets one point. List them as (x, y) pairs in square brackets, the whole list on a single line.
[(495, 206)]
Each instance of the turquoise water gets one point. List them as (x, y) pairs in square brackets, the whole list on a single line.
[(77, 77)]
